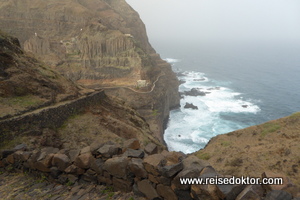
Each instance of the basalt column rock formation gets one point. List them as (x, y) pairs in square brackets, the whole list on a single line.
[(98, 43)]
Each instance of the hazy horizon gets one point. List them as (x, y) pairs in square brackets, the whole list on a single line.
[(217, 20)]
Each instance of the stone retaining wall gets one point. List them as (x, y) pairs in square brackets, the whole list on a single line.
[(146, 172), (50, 117)]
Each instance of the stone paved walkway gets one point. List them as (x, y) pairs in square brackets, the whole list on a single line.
[(20, 186)]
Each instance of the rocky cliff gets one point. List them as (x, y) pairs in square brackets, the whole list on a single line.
[(98, 43)]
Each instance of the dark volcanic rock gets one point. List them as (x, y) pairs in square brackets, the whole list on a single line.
[(194, 92), (190, 105), (278, 195)]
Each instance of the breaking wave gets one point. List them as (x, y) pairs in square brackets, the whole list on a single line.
[(219, 110)]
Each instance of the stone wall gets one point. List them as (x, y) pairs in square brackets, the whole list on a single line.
[(147, 172), (50, 117)]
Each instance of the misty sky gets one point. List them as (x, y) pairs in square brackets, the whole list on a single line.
[(205, 20)]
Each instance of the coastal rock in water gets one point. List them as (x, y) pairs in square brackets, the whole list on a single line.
[(194, 92), (190, 105)]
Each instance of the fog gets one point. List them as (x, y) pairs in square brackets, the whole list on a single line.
[(220, 20)]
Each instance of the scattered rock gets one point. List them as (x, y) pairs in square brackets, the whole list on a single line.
[(134, 153), (122, 185), (166, 192), (190, 105), (84, 161), (44, 164), (116, 166), (254, 192), (137, 168), (194, 92), (108, 150), (147, 189), (153, 162), (151, 148), (97, 166), (61, 161), (278, 195)]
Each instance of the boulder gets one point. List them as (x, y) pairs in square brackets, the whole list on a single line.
[(190, 105), (116, 166), (173, 157), (204, 192), (97, 166), (95, 146), (122, 185), (164, 180), (55, 172), (73, 154), (151, 148), (229, 192), (194, 92), (166, 192), (73, 169), (153, 162), (61, 161), (84, 160), (147, 189), (132, 144), (254, 192), (278, 195), (44, 164), (90, 176), (131, 153), (10, 159), (183, 194), (22, 155), (137, 168), (171, 170), (109, 150), (152, 178), (186, 173)]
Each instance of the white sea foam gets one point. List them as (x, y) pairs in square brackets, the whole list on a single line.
[(172, 60), (189, 130)]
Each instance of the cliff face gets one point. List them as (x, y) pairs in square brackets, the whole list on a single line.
[(83, 39), (98, 43)]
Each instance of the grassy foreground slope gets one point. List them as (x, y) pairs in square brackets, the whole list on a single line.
[(272, 146)]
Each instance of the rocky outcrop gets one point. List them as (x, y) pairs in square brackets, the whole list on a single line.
[(98, 44), (191, 106), (162, 175), (194, 92)]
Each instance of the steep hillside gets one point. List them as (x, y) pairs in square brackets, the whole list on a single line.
[(272, 146), (26, 83), (40, 107), (98, 43)]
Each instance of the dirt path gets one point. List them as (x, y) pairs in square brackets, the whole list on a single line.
[(152, 88)]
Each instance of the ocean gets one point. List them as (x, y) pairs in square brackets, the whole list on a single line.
[(242, 84)]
